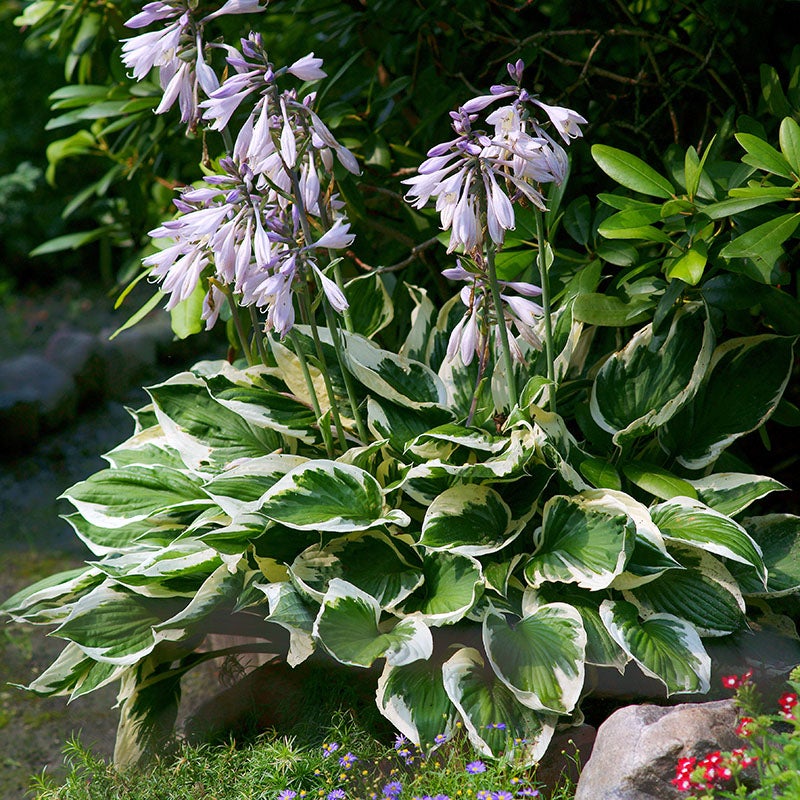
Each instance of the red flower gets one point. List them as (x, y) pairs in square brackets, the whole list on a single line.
[(743, 729), (735, 681)]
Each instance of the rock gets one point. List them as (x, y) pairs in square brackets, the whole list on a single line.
[(638, 747), (32, 379), (78, 353)]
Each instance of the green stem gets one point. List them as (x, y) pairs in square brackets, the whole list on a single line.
[(337, 421), (262, 351), (482, 361), (541, 260), (301, 357), (237, 323), (333, 327), (501, 328)]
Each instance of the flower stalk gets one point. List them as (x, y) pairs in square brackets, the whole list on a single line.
[(544, 283), (312, 392), (497, 301)]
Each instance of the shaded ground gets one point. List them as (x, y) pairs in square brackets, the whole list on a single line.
[(35, 543)]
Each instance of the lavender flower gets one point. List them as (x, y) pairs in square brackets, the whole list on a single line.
[(393, 789), (478, 176), (522, 314), (476, 767), (346, 761), (178, 51)]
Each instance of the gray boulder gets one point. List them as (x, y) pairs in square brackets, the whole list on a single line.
[(638, 747), (32, 382)]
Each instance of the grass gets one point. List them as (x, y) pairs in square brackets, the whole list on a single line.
[(346, 757)]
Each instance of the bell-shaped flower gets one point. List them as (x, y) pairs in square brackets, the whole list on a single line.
[(334, 294), (236, 7), (307, 68), (337, 237), (565, 120)]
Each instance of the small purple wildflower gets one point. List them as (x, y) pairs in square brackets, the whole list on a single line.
[(329, 748), (440, 738), (287, 794), (393, 788), (503, 795), (347, 760), (399, 741), (496, 726), (336, 794), (484, 794), (476, 767), (528, 791)]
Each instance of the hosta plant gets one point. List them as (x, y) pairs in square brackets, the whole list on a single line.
[(481, 512)]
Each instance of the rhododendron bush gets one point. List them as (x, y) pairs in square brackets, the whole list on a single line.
[(481, 496)]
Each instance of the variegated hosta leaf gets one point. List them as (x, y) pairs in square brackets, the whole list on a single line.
[(558, 447), (189, 559), (239, 489), (401, 380), (492, 715), (540, 657), (386, 569), (452, 585), (287, 609), (149, 446), (584, 539), (221, 589), (278, 545), (64, 674), (688, 521), (424, 482), (347, 627), (601, 649), (97, 676), (329, 496), (399, 424), (646, 383), (371, 306), (646, 563), (457, 436), (704, 593), (649, 557), (277, 411), (665, 647), (35, 603), (115, 626), (423, 320), (112, 498), (731, 492), (205, 433), (412, 697), (778, 536), (152, 532), (459, 386), (759, 368), (470, 520)]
